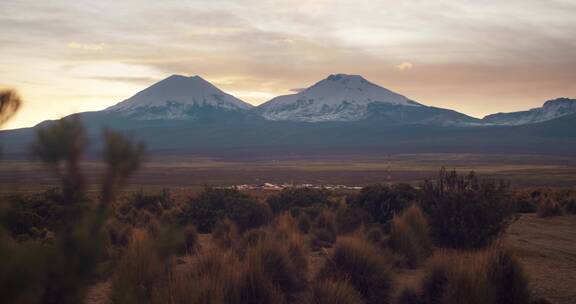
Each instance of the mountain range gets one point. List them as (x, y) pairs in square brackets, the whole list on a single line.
[(340, 114)]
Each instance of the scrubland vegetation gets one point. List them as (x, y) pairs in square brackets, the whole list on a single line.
[(298, 245)]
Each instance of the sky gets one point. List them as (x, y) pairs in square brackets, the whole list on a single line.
[(476, 57)]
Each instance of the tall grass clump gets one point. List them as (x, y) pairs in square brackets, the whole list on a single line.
[(274, 262), (363, 266), (214, 278), (466, 212), (225, 234), (138, 273), (410, 236), (332, 292), (324, 230), (493, 276), (191, 243)]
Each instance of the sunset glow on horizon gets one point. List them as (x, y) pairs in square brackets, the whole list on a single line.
[(476, 57)]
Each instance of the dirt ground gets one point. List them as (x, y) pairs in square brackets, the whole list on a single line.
[(546, 247)]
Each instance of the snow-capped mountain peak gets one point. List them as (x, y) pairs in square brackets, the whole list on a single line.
[(178, 97), (339, 97), (550, 110)]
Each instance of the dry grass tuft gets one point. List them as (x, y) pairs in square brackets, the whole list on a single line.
[(410, 236), (332, 292), (493, 276), (359, 262), (225, 234)]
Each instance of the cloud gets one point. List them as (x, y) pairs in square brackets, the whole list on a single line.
[(404, 66), (86, 46)]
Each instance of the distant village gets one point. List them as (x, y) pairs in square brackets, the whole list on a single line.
[(278, 187)]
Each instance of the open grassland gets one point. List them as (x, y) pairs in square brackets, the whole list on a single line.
[(521, 170)]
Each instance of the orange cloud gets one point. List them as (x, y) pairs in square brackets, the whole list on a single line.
[(404, 66), (86, 46)]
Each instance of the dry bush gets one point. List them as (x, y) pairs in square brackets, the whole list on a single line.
[(291, 198), (466, 212), (213, 205), (493, 276), (382, 202), (225, 234), (363, 266), (549, 207), (332, 292), (410, 236)]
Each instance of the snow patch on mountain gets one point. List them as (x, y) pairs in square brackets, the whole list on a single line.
[(551, 109), (340, 97), (178, 97)]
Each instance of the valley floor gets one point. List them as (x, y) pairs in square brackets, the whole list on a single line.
[(190, 172)]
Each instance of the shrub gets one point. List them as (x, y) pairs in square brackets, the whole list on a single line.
[(225, 234), (153, 203), (350, 219), (549, 207), (332, 292), (25, 213), (216, 204), (383, 201), (362, 264), (466, 212), (524, 202), (410, 236), (289, 198)]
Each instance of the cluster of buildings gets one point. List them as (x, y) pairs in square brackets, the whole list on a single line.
[(278, 187)]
